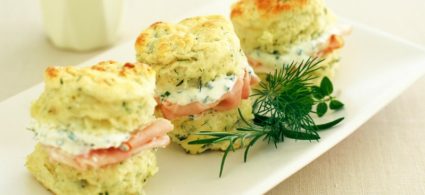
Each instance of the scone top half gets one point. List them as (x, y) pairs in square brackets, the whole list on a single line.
[(105, 98), (276, 32), (197, 61), (101, 111)]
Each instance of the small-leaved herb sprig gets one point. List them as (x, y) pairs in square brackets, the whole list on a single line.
[(322, 95), (282, 107)]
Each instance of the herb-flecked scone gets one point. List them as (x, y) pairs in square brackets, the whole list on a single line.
[(203, 76), (274, 33), (96, 129)]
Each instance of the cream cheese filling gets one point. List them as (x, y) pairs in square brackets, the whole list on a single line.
[(75, 142), (298, 52), (207, 93)]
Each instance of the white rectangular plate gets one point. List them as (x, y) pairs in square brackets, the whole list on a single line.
[(375, 68)]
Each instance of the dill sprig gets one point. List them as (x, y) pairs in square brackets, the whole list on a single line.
[(282, 109)]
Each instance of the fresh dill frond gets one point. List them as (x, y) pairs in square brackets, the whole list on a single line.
[(282, 107), (285, 98)]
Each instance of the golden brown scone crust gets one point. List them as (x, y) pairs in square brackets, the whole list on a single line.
[(275, 25), (194, 50)]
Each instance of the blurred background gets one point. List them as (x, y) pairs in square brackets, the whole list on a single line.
[(25, 51)]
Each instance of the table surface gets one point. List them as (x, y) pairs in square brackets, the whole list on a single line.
[(384, 156)]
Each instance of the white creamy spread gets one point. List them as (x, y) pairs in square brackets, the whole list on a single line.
[(297, 53), (208, 93), (75, 142)]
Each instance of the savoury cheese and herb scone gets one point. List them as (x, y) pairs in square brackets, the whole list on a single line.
[(203, 77), (274, 33), (96, 129)]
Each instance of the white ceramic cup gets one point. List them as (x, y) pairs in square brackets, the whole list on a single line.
[(82, 24)]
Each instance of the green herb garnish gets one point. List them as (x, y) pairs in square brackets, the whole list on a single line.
[(282, 109), (323, 94)]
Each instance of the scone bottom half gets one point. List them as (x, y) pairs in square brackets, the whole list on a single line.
[(226, 121), (127, 177)]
